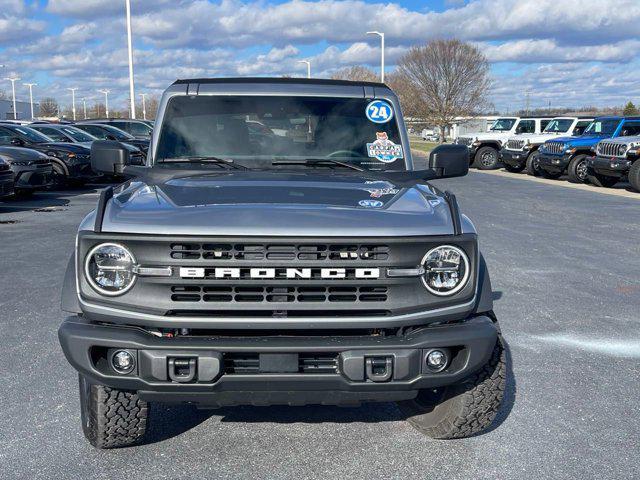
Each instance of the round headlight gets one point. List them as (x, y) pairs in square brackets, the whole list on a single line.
[(446, 270), (622, 150), (109, 269)]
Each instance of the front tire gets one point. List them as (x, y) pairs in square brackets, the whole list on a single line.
[(513, 168), (111, 418), (600, 180), (634, 175), (486, 158), (577, 169), (464, 409), (532, 166), (59, 178)]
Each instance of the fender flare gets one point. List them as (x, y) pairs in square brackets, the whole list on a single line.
[(69, 295), (484, 302)]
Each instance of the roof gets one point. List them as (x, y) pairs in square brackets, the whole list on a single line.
[(280, 80)]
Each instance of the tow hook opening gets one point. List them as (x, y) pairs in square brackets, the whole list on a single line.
[(379, 369), (182, 370)]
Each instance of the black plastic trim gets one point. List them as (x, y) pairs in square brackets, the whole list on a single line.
[(455, 212), (105, 196)]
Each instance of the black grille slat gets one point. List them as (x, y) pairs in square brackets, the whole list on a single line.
[(308, 363)]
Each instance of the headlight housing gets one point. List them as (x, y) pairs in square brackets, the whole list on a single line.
[(622, 150), (447, 270), (110, 269)]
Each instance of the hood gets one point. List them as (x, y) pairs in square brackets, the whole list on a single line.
[(278, 204), (66, 147), (581, 140), (623, 140), (16, 154), (491, 135), (537, 138)]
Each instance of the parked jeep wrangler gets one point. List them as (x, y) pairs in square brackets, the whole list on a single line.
[(570, 154), (615, 159), (484, 147), (314, 268), (521, 151)]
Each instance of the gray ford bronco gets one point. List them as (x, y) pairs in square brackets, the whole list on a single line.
[(278, 247)]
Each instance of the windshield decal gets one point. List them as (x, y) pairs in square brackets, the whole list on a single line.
[(371, 203), (379, 111), (384, 149)]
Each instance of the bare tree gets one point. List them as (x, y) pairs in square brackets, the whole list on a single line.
[(444, 79), (356, 74), (48, 107)]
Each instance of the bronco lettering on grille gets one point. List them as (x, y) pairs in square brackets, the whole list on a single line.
[(278, 273)]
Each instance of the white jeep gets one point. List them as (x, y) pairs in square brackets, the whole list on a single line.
[(484, 147), (521, 151)]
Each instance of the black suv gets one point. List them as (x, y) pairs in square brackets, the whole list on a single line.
[(136, 128), (32, 169), (103, 131), (6, 179), (71, 162)]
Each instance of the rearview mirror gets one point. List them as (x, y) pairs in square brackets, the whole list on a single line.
[(450, 160), (108, 157)]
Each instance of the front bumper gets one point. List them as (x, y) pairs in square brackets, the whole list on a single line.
[(6, 184), (554, 163), (609, 166), (81, 171), (33, 178), (269, 379), (514, 158)]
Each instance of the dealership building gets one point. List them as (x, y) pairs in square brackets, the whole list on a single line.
[(23, 110)]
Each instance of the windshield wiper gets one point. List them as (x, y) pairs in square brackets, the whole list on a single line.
[(205, 159), (313, 162)]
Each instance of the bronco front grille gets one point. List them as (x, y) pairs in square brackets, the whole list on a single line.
[(277, 252), (278, 294), (554, 148), (515, 144), (610, 149)]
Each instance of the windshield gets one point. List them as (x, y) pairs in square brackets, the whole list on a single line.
[(503, 124), (32, 135), (116, 132), (602, 127), (259, 130), (78, 135), (558, 125)]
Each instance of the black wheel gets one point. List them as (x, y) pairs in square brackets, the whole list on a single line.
[(602, 180), (464, 409), (532, 166), (111, 418), (58, 177), (486, 158), (551, 175), (513, 168), (634, 175), (577, 169)]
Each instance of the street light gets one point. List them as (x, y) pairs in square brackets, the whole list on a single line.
[(73, 101), (308, 67), (106, 102), (381, 35), (144, 107), (30, 85), (84, 107), (13, 81), (132, 95)]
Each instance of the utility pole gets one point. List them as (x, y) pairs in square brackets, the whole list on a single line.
[(84, 107), (13, 81), (132, 95), (308, 67), (30, 85), (144, 107), (106, 101), (73, 101), (381, 35)]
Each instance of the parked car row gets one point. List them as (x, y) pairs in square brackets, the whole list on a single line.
[(42, 155), (601, 151)]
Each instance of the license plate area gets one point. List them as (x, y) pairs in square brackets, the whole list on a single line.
[(278, 362)]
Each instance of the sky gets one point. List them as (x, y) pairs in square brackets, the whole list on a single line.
[(563, 53)]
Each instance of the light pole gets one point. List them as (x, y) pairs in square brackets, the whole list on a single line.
[(381, 35), (13, 81), (84, 107), (73, 101), (308, 67), (31, 85), (106, 102), (132, 95), (144, 106)]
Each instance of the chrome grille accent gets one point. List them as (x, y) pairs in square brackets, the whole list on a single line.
[(609, 149), (515, 144), (555, 148)]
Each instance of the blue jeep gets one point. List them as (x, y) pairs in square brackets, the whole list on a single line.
[(570, 154)]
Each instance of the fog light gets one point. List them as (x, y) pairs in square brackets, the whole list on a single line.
[(123, 362), (437, 360)]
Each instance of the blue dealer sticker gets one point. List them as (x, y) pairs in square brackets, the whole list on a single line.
[(370, 203), (379, 111)]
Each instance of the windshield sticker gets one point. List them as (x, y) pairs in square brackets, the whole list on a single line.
[(379, 111), (371, 203), (384, 149), (379, 192)]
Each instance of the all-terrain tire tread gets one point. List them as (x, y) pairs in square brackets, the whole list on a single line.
[(634, 175)]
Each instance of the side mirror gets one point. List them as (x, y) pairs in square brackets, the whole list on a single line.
[(450, 160), (18, 142), (108, 157)]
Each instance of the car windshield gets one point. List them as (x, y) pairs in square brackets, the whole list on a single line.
[(503, 124), (602, 127), (260, 130), (558, 125), (32, 135), (78, 135)]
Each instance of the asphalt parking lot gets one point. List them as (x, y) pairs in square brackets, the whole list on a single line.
[(565, 266)]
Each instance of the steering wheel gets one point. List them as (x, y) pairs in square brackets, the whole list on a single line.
[(344, 153)]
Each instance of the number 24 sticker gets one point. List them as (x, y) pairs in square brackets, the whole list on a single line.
[(379, 111)]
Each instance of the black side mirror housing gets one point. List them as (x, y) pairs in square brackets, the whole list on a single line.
[(109, 157), (450, 160)]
